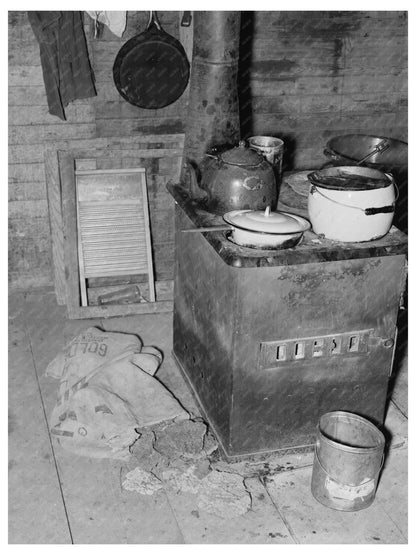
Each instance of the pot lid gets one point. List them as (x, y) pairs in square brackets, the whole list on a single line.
[(266, 221), (241, 156), (349, 178)]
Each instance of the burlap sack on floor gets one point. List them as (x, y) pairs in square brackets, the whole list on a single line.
[(107, 390)]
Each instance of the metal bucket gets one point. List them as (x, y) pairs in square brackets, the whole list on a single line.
[(349, 454)]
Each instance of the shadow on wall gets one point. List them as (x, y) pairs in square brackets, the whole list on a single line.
[(244, 71), (245, 91)]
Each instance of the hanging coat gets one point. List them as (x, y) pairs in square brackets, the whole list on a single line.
[(67, 72)]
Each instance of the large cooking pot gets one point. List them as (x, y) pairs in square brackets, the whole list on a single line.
[(151, 69), (236, 179), (381, 153), (351, 203)]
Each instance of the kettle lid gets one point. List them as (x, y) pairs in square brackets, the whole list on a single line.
[(242, 156)]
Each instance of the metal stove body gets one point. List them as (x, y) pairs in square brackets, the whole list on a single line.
[(268, 341)]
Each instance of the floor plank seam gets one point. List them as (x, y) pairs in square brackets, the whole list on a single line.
[(395, 523), (174, 516), (49, 436), (399, 409), (281, 515)]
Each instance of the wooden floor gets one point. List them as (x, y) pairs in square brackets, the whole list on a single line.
[(59, 498)]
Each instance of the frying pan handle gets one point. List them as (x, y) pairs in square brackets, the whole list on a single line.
[(153, 20)]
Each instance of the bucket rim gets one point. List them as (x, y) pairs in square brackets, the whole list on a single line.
[(348, 448)]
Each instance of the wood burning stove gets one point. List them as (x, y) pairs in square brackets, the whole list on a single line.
[(268, 341)]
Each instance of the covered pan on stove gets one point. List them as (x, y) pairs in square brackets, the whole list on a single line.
[(151, 69), (260, 229), (264, 229)]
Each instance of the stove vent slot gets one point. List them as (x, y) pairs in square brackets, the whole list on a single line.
[(295, 351), (281, 352)]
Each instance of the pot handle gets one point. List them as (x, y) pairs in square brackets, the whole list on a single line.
[(381, 210), (153, 20), (367, 211), (385, 209)]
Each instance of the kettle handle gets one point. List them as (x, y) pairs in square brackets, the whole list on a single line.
[(195, 190)]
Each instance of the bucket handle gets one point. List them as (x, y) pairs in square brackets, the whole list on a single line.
[(340, 483), (367, 211)]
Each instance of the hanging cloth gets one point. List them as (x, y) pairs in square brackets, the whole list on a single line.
[(115, 21), (67, 72)]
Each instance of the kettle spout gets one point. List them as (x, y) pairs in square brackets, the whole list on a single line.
[(195, 191)]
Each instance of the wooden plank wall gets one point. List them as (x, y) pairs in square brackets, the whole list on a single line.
[(309, 76), (305, 76), (33, 131)]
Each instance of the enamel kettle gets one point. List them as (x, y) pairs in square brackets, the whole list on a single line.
[(236, 179)]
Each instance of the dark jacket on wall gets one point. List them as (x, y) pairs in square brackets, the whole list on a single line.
[(67, 72)]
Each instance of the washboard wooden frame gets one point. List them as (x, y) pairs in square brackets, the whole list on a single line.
[(67, 160), (113, 225), (121, 150)]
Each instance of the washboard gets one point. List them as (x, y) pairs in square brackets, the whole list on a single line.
[(113, 226)]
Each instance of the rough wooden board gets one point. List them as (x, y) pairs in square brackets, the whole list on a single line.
[(260, 525), (50, 133), (29, 172), (125, 127), (36, 508), (29, 95), (39, 115), (101, 512), (29, 251), (21, 75), (49, 331), (392, 493), (164, 290), (29, 190), (119, 109), (311, 522), (346, 54), (395, 428), (53, 184), (113, 147), (400, 393), (70, 233), (109, 311), (401, 369)]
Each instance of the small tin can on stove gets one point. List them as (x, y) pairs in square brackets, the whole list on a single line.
[(272, 149)]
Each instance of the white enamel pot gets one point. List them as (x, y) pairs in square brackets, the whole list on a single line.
[(351, 204), (265, 229)]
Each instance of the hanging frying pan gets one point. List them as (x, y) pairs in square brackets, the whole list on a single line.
[(151, 70)]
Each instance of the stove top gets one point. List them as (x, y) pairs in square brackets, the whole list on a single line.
[(311, 249)]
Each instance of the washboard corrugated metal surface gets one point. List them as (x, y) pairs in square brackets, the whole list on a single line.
[(113, 226)]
